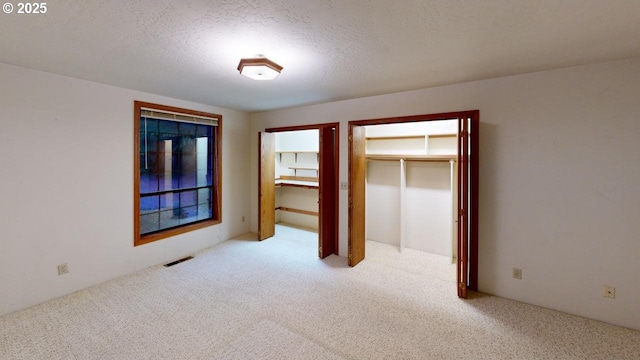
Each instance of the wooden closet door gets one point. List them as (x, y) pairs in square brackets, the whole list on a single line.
[(328, 194), (357, 180), (267, 186)]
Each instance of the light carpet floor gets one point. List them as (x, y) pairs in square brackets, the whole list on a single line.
[(275, 299)]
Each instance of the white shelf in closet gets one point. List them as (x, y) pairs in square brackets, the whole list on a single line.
[(432, 158), (297, 183)]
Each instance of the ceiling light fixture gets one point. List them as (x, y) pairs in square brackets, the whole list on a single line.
[(259, 68)]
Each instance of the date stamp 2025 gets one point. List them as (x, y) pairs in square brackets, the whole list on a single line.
[(25, 8)]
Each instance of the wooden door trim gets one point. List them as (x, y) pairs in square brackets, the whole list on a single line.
[(302, 127), (462, 268), (415, 118), (474, 115), (475, 190)]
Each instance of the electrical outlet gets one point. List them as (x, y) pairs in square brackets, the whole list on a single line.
[(609, 291), (517, 273), (344, 185), (63, 269)]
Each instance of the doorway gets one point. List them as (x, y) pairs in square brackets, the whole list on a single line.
[(466, 168), (297, 170), (411, 186)]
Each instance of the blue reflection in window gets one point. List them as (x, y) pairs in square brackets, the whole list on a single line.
[(149, 203), (175, 172)]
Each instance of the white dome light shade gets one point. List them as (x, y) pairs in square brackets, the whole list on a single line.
[(259, 68)]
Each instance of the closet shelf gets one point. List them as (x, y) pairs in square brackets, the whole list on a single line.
[(297, 183), (303, 168), (299, 178), (434, 158), (297, 152)]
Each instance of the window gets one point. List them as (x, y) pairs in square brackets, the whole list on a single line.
[(177, 171)]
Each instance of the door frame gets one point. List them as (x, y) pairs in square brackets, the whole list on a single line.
[(321, 215), (474, 116)]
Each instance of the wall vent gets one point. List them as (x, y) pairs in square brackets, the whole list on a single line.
[(178, 261)]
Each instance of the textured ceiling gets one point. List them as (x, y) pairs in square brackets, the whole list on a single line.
[(330, 49)]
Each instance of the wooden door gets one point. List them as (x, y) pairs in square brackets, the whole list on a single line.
[(463, 207), (267, 188), (328, 184), (357, 195)]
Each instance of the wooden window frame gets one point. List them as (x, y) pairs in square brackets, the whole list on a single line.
[(216, 201)]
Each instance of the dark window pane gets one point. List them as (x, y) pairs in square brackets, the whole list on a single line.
[(204, 130), (187, 129), (204, 211), (160, 162), (164, 137), (169, 219), (174, 156), (149, 223), (187, 145), (148, 124), (149, 162), (187, 181), (188, 215), (169, 201), (177, 145), (176, 163), (188, 162), (148, 182), (149, 203), (153, 125), (168, 127), (204, 196), (203, 178), (165, 181), (187, 171), (148, 142), (188, 198), (175, 181)]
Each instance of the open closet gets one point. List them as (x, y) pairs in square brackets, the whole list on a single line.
[(298, 182), (296, 170), (413, 183)]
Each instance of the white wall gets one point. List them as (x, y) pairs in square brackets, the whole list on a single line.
[(558, 180), (429, 216), (299, 140), (413, 128), (383, 202), (429, 207), (66, 186), (297, 198)]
